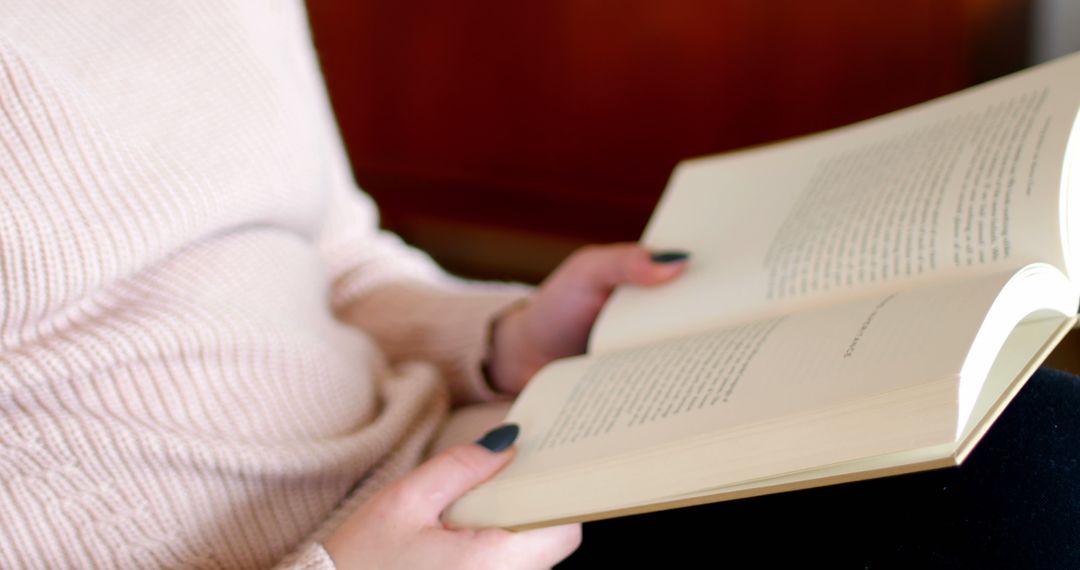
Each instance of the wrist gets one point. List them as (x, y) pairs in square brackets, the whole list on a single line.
[(509, 363)]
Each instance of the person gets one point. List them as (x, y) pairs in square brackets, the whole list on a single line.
[(211, 356)]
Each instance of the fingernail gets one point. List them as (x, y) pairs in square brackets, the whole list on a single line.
[(669, 256), (499, 438)]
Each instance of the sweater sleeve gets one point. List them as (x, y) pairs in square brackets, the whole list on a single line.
[(397, 294), (311, 556)]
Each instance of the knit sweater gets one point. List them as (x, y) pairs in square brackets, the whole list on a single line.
[(208, 351)]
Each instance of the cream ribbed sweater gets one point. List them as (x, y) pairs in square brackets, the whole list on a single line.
[(205, 342)]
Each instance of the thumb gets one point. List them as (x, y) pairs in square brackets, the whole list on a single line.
[(602, 268), (450, 474)]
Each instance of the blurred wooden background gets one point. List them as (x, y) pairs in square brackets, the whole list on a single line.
[(499, 136)]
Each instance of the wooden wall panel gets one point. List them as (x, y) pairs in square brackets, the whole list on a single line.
[(500, 135)]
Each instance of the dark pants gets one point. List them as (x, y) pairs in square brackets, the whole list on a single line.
[(1015, 503)]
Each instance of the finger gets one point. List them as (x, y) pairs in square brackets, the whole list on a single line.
[(542, 547), (665, 265), (602, 268), (428, 490)]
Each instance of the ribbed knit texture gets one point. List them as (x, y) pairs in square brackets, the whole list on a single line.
[(206, 345)]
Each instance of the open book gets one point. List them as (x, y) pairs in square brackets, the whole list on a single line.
[(859, 303)]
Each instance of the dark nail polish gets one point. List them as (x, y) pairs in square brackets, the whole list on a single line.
[(500, 438), (669, 256)]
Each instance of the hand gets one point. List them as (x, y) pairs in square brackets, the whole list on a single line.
[(557, 321), (400, 527)]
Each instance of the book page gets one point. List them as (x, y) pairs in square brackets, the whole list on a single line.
[(970, 183), (1027, 348), (584, 409), (758, 401)]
